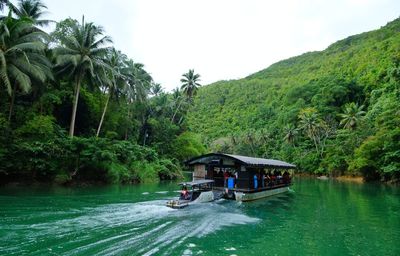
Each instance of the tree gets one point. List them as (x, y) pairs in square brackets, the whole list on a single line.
[(81, 55), (178, 100), (139, 81), (31, 11), (156, 89), (290, 133), (22, 57), (352, 115), (4, 3), (190, 83), (114, 79), (315, 128), (189, 87)]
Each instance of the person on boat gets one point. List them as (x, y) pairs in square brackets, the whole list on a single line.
[(236, 178), (286, 177), (226, 176), (273, 178), (185, 193), (255, 181), (268, 179)]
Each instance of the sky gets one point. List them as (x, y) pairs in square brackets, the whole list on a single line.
[(223, 39)]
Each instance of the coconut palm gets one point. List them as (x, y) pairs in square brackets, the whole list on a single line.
[(113, 79), (311, 124), (139, 81), (156, 89), (190, 83), (177, 99), (4, 3), (32, 11), (81, 55), (22, 58), (352, 115), (290, 133)]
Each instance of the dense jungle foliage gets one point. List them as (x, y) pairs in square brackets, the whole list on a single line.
[(334, 112), (73, 108)]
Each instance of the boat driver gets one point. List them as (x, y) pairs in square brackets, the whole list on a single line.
[(184, 193)]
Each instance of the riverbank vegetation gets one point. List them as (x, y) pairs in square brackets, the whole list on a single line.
[(74, 108), (330, 112)]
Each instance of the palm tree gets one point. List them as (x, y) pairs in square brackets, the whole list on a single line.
[(352, 115), (190, 83), (139, 81), (4, 3), (156, 89), (113, 80), (81, 55), (31, 11), (137, 87), (310, 123), (177, 98), (22, 57), (189, 86), (290, 133)]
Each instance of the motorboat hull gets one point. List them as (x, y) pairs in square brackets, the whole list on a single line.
[(241, 196), (204, 197)]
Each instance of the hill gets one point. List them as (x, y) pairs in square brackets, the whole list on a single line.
[(321, 110)]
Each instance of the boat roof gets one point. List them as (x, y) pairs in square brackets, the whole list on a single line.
[(244, 160), (196, 182)]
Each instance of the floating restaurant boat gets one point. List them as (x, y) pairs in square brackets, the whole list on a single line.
[(197, 191), (242, 178)]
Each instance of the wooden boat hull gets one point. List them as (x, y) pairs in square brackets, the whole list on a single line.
[(241, 196), (204, 197), (175, 204)]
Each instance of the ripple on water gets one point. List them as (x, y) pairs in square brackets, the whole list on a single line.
[(147, 228)]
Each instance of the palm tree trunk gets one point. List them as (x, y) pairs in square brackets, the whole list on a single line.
[(127, 128), (12, 102), (176, 111), (74, 107), (102, 116)]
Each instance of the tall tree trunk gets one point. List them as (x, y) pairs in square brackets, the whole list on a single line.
[(176, 111), (127, 128), (12, 102), (102, 116), (74, 107)]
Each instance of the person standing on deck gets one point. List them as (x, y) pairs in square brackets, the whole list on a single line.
[(255, 181), (226, 176), (236, 177)]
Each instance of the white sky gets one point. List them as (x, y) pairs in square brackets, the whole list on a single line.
[(223, 39)]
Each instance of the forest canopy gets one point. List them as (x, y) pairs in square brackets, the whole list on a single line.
[(330, 112), (74, 108)]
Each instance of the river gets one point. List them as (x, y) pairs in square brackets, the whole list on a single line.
[(315, 218)]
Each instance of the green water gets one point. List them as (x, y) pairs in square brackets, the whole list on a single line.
[(316, 218)]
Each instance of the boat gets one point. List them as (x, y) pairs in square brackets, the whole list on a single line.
[(198, 191), (243, 178)]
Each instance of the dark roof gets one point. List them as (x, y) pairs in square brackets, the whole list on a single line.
[(196, 182), (244, 160)]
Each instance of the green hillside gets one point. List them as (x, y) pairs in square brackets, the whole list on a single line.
[(330, 111)]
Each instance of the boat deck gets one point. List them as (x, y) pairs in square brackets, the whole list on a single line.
[(248, 190)]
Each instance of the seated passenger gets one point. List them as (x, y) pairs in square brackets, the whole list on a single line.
[(184, 193), (286, 177)]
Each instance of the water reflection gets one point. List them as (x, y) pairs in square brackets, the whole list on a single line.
[(317, 217)]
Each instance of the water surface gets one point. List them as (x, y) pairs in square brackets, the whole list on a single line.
[(316, 218)]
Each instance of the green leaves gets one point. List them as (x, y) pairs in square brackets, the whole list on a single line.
[(324, 105), (21, 55), (352, 115), (190, 83)]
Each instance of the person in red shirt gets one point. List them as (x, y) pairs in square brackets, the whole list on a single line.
[(226, 176)]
